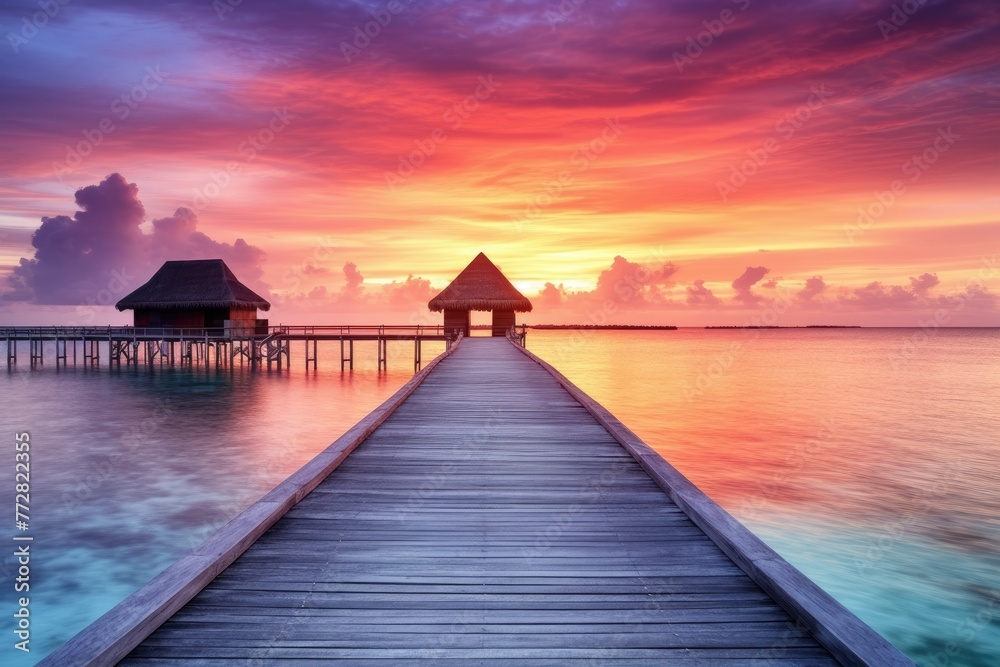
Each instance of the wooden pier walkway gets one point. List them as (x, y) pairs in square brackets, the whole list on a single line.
[(491, 513)]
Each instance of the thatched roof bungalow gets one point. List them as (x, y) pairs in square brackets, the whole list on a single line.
[(195, 294), (482, 287)]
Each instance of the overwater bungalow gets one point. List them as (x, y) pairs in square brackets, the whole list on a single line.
[(481, 287), (196, 294)]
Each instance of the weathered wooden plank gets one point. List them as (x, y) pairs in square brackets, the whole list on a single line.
[(608, 656)]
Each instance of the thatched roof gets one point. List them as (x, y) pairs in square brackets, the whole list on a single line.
[(193, 283), (480, 286)]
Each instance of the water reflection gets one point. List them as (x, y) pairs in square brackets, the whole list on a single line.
[(131, 468), (873, 471)]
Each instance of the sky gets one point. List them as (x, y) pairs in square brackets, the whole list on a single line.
[(731, 162)]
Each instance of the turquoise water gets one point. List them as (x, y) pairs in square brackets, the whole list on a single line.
[(868, 458), (132, 468)]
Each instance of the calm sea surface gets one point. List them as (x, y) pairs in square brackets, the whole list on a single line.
[(868, 458)]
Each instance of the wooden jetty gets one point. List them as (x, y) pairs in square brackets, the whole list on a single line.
[(489, 512), (208, 347)]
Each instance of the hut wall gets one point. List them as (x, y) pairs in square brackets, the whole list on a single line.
[(242, 321), (140, 318), (456, 319), (215, 318), (502, 321), (169, 318)]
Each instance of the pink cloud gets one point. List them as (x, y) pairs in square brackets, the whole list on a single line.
[(744, 284), (699, 295)]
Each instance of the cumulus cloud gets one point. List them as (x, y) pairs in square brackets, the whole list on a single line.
[(76, 257), (875, 295), (413, 291), (356, 296), (814, 289), (699, 295), (743, 286), (916, 296), (633, 284), (976, 297), (177, 237), (624, 284), (551, 296), (353, 281), (924, 283)]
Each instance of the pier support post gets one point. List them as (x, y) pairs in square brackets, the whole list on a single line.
[(311, 359), (383, 354), (349, 359)]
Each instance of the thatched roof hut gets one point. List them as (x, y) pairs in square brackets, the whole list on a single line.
[(199, 293), (480, 286), (193, 283)]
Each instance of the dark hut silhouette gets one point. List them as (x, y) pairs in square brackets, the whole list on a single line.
[(196, 294), (480, 286)]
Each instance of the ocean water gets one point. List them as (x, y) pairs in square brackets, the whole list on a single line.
[(868, 458), (132, 468)]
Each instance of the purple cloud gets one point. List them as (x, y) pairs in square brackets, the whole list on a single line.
[(78, 257)]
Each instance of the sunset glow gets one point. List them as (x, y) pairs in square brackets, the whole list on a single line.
[(631, 162)]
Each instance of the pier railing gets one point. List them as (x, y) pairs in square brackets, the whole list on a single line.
[(518, 335), (161, 333), (254, 343)]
